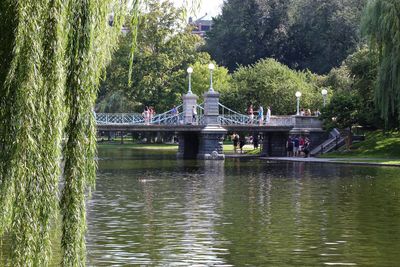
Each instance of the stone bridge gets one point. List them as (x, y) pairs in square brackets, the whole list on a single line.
[(201, 135)]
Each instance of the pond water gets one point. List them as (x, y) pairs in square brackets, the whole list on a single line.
[(150, 209)]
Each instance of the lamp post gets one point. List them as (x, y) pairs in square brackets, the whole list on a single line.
[(190, 71), (324, 93), (211, 67), (298, 95)]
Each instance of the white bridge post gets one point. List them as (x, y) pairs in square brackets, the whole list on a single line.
[(189, 101), (212, 136)]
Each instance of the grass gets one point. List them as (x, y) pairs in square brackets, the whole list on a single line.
[(380, 161), (228, 148), (163, 147), (378, 147)]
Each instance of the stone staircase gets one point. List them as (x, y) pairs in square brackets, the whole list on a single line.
[(335, 141)]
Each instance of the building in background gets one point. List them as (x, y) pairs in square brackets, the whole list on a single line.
[(201, 25)]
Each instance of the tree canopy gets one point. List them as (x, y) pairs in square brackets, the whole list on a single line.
[(53, 54), (381, 24), (270, 83), (166, 48), (303, 34)]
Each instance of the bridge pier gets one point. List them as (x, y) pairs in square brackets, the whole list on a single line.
[(211, 143), (274, 144), (212, 136), (311, 128), (188, 145)]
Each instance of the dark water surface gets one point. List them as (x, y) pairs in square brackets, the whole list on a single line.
[(154, 210), (149, 209)]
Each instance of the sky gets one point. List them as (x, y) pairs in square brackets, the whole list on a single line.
[(211, 7)]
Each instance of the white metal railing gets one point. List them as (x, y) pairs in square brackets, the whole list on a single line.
[(335, 140), (119, 118), (231, 117), (167, 118), (227, 117)]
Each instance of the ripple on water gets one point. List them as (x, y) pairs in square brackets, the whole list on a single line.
[(238, 213)]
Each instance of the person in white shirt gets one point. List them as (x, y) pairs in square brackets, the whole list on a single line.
[(194, 114), (268, 115)]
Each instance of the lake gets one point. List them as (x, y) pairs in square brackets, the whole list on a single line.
[(151, 209)]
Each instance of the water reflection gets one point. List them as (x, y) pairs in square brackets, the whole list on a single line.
[(161, 212)]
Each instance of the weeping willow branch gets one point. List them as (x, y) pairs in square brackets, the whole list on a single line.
[(52, 55), (381, 23)]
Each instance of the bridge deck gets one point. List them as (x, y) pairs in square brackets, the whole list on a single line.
[(189, 128)]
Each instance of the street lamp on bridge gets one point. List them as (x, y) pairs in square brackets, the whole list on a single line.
[(324, 93), (298, 95), (211, 67), (190, 71)]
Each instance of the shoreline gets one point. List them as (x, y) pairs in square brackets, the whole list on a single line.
[(171, 148), (348, 161)]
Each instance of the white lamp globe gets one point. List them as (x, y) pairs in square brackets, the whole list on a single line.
[(298, 94), (190, 70), (324, 92), (211, 66)]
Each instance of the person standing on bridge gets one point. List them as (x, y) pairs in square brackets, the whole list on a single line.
[(260, 115), (250, 111), (268, 115), (174, 112), (194, 114), (152, 113), (146, 115)]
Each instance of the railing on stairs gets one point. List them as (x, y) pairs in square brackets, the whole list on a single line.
[(334, 142)]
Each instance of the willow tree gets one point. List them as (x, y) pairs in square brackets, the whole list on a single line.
[(52, 55), (381, 24)]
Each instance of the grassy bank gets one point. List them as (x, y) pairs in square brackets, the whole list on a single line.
[(377, 147), (228, 148)]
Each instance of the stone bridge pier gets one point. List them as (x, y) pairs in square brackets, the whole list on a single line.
[(274, 144), (206, 144)]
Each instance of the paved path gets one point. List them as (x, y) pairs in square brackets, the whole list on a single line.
[(353, 161)]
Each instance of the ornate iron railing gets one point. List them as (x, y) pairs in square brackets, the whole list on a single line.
[(227, 117)]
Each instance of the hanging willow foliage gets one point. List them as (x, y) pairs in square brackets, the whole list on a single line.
[(52, 54), (381, 24)]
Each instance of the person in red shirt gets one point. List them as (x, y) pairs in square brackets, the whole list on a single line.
[(301, 144), (250, 111)]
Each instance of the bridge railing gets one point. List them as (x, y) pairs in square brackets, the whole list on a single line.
[(169, 117), (119, 118), (230, 117), (200, 114), (227, 117)]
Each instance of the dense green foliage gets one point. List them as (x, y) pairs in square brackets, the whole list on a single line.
[(303, 34), (382, 26), (352, 86), (342, 111), (52, 55), (201, 78), (269, 83), (166, 47)]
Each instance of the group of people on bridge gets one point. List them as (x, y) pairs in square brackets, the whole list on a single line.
[(259, 115), (148, 114)]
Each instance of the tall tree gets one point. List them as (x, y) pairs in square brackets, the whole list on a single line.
[(166, 47), (382, 26), (270, 83), (304, 34), (247, 31), (52, 55), (323, 33)]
